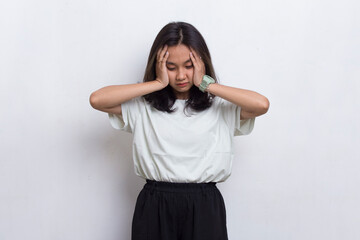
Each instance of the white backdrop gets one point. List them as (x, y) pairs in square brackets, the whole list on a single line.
[(65, 174)]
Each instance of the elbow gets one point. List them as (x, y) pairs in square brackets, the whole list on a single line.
[(94, 100), (265, 104)]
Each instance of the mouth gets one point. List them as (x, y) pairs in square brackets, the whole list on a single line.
[(182, 84)]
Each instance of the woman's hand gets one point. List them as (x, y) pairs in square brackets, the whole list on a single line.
[(161, 70), (199, 67)]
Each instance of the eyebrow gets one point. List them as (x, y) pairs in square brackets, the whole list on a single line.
[(171, 63)]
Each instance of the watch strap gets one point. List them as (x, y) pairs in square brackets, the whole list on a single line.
[(206, 81)]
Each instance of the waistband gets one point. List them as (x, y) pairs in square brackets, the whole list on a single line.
[(178, 187)]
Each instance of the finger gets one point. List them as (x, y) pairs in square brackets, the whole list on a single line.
[(165, 57), (196, 60), (199, 65), (160, 53), (162, 63), (196, 55), (192, 57), (192, 54), (163, 52)]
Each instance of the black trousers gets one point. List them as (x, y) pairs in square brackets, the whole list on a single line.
[(179, 211)]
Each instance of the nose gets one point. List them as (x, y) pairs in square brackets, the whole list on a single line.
[(180, 74)]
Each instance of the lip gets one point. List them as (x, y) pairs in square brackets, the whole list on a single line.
[(182, 84)]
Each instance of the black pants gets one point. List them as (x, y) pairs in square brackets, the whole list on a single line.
[(179, 211)]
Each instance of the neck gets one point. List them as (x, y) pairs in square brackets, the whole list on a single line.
[(182, 96)]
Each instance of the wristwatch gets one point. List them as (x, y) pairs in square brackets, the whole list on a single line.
[(206, 81)]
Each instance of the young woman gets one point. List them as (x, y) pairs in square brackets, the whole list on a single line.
[(183, 123)]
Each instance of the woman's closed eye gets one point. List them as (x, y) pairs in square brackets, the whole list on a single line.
[(174, 68), (171, 68)]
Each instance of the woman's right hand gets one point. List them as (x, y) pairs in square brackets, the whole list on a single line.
[(161, 70)]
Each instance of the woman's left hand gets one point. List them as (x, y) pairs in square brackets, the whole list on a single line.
[(199, 67)]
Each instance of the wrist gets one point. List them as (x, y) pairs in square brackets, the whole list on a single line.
[(205, 83), (209, 87), (160, 84)]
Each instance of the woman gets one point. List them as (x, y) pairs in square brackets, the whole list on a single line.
[(183, 123)]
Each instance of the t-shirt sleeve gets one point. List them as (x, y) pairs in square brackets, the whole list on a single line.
[(130, 112), (231, 114)]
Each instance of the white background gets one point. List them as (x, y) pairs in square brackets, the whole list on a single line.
[(65, 174)]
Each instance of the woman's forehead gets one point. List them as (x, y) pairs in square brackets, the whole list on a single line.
[(178, 54)]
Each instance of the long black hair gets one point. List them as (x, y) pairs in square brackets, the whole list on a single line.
[(173, 34)]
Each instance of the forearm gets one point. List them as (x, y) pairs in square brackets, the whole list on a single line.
[(112, 96), (251, 102)]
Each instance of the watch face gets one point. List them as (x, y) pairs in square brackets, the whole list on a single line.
[(205, 82)]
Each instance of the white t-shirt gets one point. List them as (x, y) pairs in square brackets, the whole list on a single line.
[(179, 147)]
